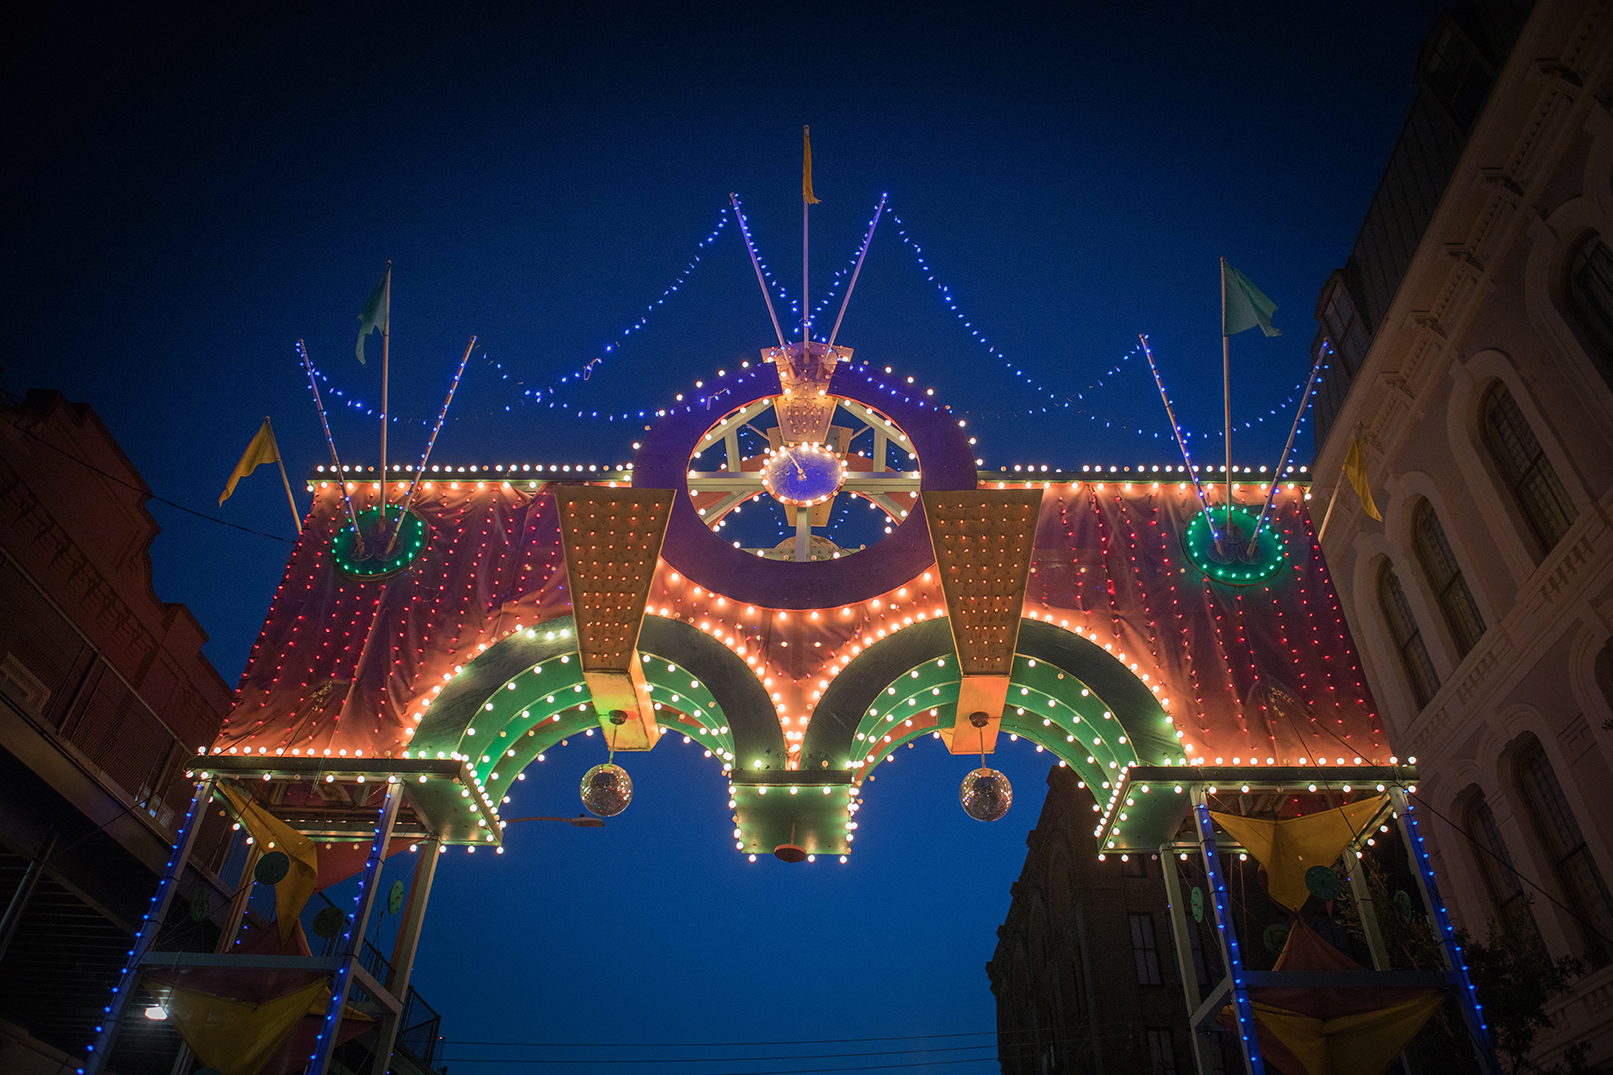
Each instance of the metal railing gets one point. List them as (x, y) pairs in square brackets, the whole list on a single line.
[(419, 1031)]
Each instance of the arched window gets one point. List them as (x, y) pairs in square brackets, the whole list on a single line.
[(1407, 638), (1590, 279), (1462, 614), (1499, 875), (1525, 468), (1560, 835)]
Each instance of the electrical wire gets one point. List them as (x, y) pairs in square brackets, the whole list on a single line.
[(145, 491), (749, 1044), (1476, 842), (727, 1059), (785, 1071)]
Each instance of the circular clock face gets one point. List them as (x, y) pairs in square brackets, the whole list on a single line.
[(802, 474)]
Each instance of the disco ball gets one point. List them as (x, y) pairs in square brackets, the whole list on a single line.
[(607, 789), (986, 794)]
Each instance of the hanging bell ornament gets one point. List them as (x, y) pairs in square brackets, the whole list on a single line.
[(986, 794), (607, 789)]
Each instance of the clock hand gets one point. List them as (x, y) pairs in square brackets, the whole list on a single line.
[(791, 456)]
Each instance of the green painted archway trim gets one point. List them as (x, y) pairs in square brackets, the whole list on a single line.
[(1055, 700), (526, 692)]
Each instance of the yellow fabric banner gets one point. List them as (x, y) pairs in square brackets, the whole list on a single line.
[(271, 834), (1360, 1044), (1355, 469), (806, 167), (1289, 847), (262, 450), (238, 1038)]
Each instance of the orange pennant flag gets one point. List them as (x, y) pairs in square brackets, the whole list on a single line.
[(806, 167)]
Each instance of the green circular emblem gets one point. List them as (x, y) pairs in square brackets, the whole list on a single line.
[(272, 868), (1323, 883), (1196, 901), (199, 903), (329, 922), (1235, 563), (394, 898), (1402, 902), (375, 554), (1275, 936)]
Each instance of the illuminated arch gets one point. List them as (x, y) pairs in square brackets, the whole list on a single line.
[(1066, 695), (525, 693)]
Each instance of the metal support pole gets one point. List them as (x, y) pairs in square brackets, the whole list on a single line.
[(150, 924), (1367, 910), (1230, 956), (1181, 931), (803, 535), (236, 911), (233, 914), (325, 1042), (1467, 1001), (403, 950), (25, 891)]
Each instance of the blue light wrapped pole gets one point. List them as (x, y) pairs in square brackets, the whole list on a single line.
[(1467, 998), (150, 924), (325, 1042), (1247, 1037)]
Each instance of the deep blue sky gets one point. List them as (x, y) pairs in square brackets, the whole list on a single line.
[(193, 189)]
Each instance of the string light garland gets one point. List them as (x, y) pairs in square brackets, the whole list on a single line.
[(580, 374)]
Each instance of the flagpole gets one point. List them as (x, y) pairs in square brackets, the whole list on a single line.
[(805, 306), (295, 518), (1328, 514), (1276, 477), (1226, 389), (330, 442), (880, 208), (1322, 530), (442, 416), (1193, 471), (756, 264), (386, 334)]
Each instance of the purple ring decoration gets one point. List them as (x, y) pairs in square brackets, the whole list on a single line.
[(945, 458)]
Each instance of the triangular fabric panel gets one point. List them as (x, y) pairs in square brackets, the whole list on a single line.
[(1360, 1044), (238, 1037), (290, 894), (1289, 847)]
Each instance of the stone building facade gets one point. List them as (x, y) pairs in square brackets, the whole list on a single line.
[(1471, 336)]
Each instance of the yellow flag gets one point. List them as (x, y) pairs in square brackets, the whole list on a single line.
[(806, 167), (262, 450), (1355, 469)]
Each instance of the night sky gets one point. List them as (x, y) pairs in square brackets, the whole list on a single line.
[(193, 190)]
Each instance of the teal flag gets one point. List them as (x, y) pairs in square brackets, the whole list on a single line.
[(375, 313), (1243, 304)]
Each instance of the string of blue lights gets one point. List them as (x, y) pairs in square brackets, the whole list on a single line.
[(550, 395), (576, 376)]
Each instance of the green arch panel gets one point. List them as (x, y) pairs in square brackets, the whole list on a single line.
[(1066, 695), (526, 692)]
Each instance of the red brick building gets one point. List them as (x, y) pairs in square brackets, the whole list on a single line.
[(104, 693)]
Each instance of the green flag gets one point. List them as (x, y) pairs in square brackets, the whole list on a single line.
[(1243, 305), (375, 313)]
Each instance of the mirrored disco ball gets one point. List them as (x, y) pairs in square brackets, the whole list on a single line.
[(986, 794), (607, 789)]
